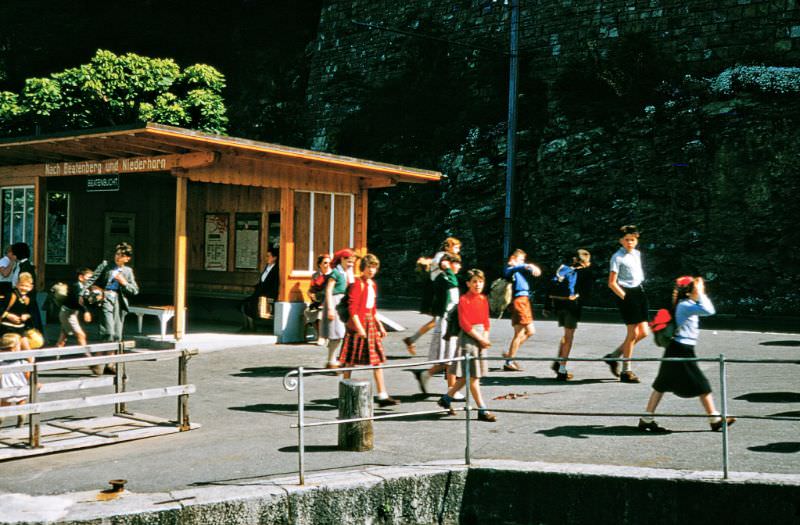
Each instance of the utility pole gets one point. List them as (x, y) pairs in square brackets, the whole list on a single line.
[(511, 146)]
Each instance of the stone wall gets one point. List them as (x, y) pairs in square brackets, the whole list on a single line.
[(704, 36)]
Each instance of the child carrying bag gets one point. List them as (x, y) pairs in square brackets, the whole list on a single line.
[(663, 327)]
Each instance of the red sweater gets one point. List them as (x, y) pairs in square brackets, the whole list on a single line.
[(357, 299), (473, 308)]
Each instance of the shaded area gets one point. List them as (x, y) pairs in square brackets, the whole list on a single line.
[(792, 413), (790, 342), (542, 381), (271, 371), (584, 431), (310, 448), (314, 404), (770, 397), (787, 447)]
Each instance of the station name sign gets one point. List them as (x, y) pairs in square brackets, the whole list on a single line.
[(109, 166), (102, 183)]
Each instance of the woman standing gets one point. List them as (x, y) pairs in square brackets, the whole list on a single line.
[(333, 328)]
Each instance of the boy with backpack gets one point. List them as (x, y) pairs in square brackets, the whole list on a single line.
[(569, 289), (72, 309), (519, 272)]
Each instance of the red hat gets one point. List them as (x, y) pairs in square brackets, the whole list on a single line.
[(344, 253), (684, 281)]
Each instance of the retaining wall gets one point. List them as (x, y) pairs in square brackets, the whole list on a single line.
[(497, 492)]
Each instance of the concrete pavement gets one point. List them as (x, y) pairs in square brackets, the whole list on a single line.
[(246, 416)]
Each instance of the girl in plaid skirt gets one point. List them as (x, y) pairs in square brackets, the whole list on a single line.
[(362, 345)]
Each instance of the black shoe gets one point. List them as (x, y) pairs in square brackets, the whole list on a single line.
[(612, 365), (717, 425), (446, 405), (652, 427), (566, 376), (629, 377), (388, 402), (487, 416), (418, 377), (554, 367)]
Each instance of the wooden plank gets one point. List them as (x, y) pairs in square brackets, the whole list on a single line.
[(65, 350), (155, 355), (40, 225), (301, 216), (287, 242), (179, 282), (61, 386), (95, 401), (93, 433), (361, 223)]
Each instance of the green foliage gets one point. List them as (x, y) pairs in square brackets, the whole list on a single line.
[(119, 89)]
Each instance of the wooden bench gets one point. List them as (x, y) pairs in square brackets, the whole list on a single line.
[(164, 314)]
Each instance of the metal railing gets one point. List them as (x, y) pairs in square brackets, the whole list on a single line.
[(294, 380)]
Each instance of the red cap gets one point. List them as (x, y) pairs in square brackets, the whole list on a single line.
[(344, 253), (684, 281)]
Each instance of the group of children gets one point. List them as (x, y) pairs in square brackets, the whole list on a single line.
[(470, 312)]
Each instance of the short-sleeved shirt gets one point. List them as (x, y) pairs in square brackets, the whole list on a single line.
[(628, 267), (340, 279), (5, 262)]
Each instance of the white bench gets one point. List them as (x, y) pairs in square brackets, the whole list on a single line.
[(164, 314)]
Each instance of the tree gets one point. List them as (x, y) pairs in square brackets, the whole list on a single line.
[(111, 90)]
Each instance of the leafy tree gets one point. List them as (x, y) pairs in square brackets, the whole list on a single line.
[(111, 90)]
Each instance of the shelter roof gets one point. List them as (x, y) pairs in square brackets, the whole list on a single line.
[(152, 139)]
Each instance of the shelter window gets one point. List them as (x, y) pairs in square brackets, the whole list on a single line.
[(57, 247), (18, 205), (323, 223)]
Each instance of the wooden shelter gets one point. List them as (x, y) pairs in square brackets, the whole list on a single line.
[(200, 209)]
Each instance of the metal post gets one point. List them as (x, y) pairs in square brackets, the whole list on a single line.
[(467, 409), (723, 386), (511, 146), (300, 435), (183, 400), (34, 430)]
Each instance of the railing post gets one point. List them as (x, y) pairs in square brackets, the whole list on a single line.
[(467, 409), (119, 380), (723, 386), (34, 430), (183, 400), (300, 434)]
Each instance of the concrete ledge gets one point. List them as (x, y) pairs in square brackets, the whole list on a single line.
[(442, 492)]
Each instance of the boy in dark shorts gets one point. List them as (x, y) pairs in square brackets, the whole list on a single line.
[(625, 279), (568, 304)]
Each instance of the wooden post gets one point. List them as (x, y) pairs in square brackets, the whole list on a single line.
[(286, 259), (183, 400), (120, 378), (179, 283), (34, 430), (355, 401), (40, 227)]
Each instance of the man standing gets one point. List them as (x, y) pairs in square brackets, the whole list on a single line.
[(518, 272), (267, 286)]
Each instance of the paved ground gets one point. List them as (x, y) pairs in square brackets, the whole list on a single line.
[(246, 416)]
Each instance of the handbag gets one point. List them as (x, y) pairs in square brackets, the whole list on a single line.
[(265, 307)]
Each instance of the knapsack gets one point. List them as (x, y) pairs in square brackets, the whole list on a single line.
[(500, 295), (663, 327), (453, 327), (343, 308)]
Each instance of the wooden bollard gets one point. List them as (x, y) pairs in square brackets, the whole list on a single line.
[(355, 400)]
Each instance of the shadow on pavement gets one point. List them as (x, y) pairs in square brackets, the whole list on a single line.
[(542, 381), (770, 397), (313, 404), (264, 371), (793, 413), (310, 448), (584, 431), (780, 343), (780, 448)]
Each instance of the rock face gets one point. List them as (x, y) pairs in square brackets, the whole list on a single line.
[(628, 114)]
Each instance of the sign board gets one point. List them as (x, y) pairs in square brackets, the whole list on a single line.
[(216, 245), (248, 234), (102, 183)]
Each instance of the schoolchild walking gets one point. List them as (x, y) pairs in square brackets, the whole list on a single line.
[(363, 345), (445, 299), (71, 312), (119, 284), (430, 270), (567, 300), (473, 340), (10, 342), (333, 329), (626, 279), (519, 273), (684, 378)]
